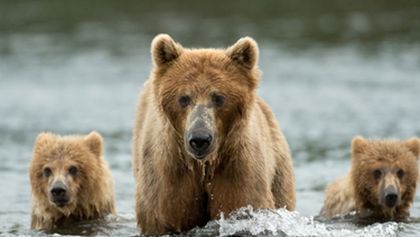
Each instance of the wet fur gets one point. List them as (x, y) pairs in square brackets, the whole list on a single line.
[(252, 163), (93, 188)]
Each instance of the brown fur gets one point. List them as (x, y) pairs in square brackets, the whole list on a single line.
[(91, 189), (250, 164), (361, 191)]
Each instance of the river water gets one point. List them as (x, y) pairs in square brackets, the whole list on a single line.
[(330, 72)]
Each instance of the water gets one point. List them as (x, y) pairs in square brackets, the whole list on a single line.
[(330, 72)]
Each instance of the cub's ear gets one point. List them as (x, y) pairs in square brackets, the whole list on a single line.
[(44, 139), (244, 52), (164, 50), (413, 145), (94, 143), (358, 145)]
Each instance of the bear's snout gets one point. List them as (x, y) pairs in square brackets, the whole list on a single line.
[(200, 135), (59, 194), (390, 196), (200, 141)]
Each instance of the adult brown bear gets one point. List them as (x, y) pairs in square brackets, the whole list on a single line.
[(204, 142)]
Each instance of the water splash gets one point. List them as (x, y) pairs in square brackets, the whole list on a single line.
[(280, 222)]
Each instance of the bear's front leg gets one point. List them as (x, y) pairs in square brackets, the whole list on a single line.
[(177, 206), (231, 191)]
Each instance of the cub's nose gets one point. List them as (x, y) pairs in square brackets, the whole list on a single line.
[(390, 196), (58, 190), (200, 142), (391, 199), (59, 194)]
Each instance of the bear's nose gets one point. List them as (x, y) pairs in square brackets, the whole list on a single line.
[(391, 199), (58, 190), (200, 142), (390, 196)]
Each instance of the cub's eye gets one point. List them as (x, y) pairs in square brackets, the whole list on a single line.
[(47, 172), (184, 101), (400, 173), (377, 174), (218, 100), (73, 170)]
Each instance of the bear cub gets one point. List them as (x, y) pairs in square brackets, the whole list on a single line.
[(381, 184), (70, 180)]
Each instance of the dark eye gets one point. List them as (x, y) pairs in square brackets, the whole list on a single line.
[(377, 174), (47, 172), (184, 101), (73, 170), (400, 173), (218, 100)]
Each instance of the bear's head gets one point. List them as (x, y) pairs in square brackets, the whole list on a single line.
[(64, 169), (205, 94), (384, 176)]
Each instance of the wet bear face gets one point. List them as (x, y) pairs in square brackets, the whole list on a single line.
[(204, 93), (60, 168), (385, 175)]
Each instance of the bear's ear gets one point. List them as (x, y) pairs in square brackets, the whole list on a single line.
[(164, 50), (94, 142), (244, 52), (358, 145), (43, 139), (413, 145)]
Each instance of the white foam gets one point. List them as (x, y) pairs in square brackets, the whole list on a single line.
[(281, 221)]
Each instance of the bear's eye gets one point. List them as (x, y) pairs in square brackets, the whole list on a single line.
[(218, 100), (47, 172), (184, 101), (73, 170), (400, 173), (377, 174)]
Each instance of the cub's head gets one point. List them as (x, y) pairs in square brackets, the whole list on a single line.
[(62, 168), (385, 175), (204, 93)]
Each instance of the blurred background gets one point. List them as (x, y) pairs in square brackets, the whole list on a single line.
[(332, 69)]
